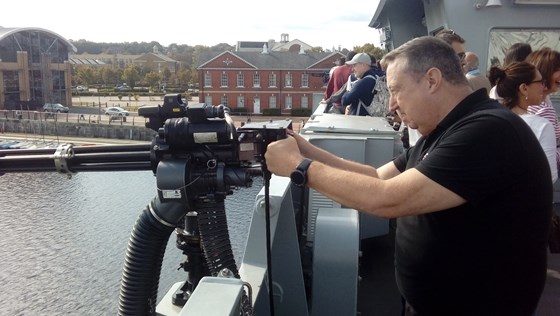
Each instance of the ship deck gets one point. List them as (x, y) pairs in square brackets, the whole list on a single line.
[(378, 294)]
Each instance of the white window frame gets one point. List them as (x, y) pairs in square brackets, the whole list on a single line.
[(223, 80), (272, 80), (257, 80), (240, 80), (208, 79), (305, 80), (288, 102), (304, 102), (288, 80), (272, 102)]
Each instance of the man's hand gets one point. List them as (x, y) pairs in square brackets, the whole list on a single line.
[(283, 156)]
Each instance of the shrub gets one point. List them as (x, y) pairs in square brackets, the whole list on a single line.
[(239, 111), (301, 112), (272, 112)]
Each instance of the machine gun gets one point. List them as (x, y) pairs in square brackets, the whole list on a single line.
[(198, 157)]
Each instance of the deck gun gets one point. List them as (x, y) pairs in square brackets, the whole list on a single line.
[(198, 157)]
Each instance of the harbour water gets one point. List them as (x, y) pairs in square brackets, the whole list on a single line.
[(63, 240)]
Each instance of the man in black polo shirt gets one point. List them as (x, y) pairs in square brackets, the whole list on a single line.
[(473, 198)]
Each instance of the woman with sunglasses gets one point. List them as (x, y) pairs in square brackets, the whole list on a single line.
[(520, 84), (547, 62)]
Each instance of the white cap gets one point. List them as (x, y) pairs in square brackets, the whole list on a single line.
[(360, 58)]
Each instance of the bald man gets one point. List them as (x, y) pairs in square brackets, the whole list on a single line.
[(476, 79)]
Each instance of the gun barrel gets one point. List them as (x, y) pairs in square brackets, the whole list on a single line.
[(77, 159)]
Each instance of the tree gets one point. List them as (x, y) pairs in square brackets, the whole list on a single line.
[(131, 75), (370, 49), (152, 79), (86, 75), (317, 49), (166, 74), (109, 76), (183, 77)]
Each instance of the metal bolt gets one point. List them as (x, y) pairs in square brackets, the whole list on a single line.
[(226, 273)]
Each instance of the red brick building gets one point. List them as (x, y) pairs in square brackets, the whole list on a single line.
[(265, 79)]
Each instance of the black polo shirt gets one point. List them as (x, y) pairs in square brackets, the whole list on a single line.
[(487, 256)]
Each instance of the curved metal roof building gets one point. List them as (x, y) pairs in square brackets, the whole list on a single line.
[(34, 68)]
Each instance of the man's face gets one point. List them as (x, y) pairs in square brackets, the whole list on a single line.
[(359, 69), (459, 49), (408, 96)]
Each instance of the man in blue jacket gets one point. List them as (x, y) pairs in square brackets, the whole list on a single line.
[(361, 94)]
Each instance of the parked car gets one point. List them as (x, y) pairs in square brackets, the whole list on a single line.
[(55, 108), (82, 88), (115, 110), (123, 86)]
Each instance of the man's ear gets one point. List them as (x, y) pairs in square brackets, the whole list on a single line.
[(434, 77)]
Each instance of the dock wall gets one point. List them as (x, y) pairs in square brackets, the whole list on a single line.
[(116, 130)]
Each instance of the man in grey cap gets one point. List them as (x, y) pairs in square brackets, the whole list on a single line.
[(360, 96)]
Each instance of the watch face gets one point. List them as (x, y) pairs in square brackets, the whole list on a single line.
[(297, 177)]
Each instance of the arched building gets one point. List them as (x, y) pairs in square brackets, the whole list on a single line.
[(34, 68)]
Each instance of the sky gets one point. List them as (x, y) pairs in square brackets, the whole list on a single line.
[(207, 22)]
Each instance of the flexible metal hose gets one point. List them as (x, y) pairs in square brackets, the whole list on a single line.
[(142, 266)]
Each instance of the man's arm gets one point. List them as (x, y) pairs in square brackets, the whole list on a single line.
[(350, 96), (361, 90), (410, 193), (357, 186), (318, 154), (330, 88)]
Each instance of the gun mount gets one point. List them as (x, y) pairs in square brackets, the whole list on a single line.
[(198, 157)]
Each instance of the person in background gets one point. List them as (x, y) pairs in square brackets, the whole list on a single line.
[(521, 84), (341, 61), (547, 62), (516, 52), (472, 199), (455, 41), (476, 79), (361, 93), (338, 79)]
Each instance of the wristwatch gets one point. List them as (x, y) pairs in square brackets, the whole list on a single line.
[(299, 176)]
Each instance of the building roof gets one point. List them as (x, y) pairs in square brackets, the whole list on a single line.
[(7, 31), (284, 46), (162, 57), (270, 60), (86, 61), (251, 45), (272, 45)]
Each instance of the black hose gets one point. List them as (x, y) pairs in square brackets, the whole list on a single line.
[(142, 266)]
